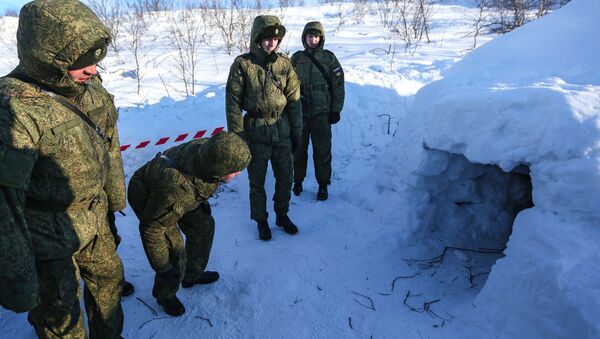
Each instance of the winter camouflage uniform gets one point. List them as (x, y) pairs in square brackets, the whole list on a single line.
[(265, 86), (322, 98), (58, 179), (174, 191)]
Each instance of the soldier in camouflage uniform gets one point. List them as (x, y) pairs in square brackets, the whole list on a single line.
[(173, 189), (322, 86), (264, 85), (60, 174)]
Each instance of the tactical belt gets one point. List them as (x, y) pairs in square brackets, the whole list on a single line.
[(309, 88), (268, 115), (48, 206)]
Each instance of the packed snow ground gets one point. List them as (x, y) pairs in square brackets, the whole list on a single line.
[(348, 273)]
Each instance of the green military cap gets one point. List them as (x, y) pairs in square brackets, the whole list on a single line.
[(93, 56)]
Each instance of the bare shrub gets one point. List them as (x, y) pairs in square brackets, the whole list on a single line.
[(188, 32), (360, 10), (511, 14), (233, 20), (136, 28), (151, 6), (111, 12)]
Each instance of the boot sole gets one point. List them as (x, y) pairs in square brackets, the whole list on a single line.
[(286, 230)]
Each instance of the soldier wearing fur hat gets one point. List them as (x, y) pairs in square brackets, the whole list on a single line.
[(60, 175), (322, 86), (263, 106), (173, 190)]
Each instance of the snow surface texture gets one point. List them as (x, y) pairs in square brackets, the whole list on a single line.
[(350, 272), (530, 97)]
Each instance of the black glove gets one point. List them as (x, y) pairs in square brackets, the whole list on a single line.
[(334, 118), (296, 140), (113, 227)]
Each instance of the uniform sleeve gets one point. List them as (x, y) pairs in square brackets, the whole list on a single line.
[(233, 99), (19, 289), (293, 108), (338, 92), (115, 185)]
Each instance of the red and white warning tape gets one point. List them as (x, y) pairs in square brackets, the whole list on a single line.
[(164, 140)]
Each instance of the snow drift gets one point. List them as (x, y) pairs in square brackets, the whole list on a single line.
[(525, 105)]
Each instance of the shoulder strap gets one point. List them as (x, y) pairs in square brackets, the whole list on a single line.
[(319, 66), (65, 102), (172, 163)]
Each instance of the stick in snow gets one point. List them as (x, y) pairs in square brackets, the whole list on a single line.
[(402, 277), (205, 319), (149, 320), (372, 307), (151, 309)]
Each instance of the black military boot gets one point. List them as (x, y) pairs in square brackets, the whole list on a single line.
[(285, 222), (172, 306), (127, 289), (297, 188), (264, 232), (322, 193), (206, 277)]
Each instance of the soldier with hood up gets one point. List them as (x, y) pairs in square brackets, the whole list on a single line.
[(60, 175), (263, 84), (322, 87), (173, 189)]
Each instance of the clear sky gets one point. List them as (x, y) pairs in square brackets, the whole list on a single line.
[(15, 4)]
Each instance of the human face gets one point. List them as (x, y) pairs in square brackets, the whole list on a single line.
[(269, 44), (312, 40), (230, 177), (80, 76)]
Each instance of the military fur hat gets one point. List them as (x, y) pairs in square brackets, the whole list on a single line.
[(274, 31), (93, 56), (312, 31), (223, 154)]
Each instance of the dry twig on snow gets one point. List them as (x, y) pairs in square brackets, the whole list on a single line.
[(151, 309), (402, 277), (205, 319), (426, 308), (372, 306), (149, 320)]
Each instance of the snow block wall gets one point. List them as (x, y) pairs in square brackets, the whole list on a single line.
[(527, 100)]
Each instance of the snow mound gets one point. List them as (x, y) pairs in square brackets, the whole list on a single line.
[(515, 125)]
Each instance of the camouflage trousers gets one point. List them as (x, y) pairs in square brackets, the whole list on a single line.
[(165, 247), (59, 314), (280, 155), (317, 130)]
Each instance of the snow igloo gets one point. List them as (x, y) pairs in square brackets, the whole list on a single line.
[(504, 151)]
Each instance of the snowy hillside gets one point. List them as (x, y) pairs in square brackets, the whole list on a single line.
[(419, 165)]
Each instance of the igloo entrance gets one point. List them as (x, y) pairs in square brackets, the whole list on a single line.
[(471, 205)]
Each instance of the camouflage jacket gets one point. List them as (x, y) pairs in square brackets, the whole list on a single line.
[(319, 94), (173, 190), (181, 178), (48, 155), (266, 87)]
